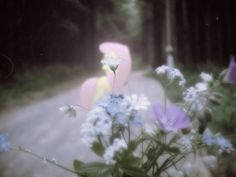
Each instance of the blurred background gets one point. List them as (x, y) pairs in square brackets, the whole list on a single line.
[(67, 32), (46, 43), (51, 37)]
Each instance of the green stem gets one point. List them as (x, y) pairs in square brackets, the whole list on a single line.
[(129, 132), (114, 81), (19, 148), (165, 95), (165, 101), (122, 134)]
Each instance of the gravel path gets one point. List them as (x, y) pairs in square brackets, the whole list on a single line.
[(45, 130)]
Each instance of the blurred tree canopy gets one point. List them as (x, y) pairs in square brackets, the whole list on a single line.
[(47, 32), (202, 30)]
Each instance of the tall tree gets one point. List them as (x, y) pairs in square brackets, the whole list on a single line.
[(158, 29)]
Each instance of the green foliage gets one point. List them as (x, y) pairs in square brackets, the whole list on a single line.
[(172, 90), (134, 171), (129, 165), (94, 169), (123, 14), (224, 113), (30, 83), (98, 148)]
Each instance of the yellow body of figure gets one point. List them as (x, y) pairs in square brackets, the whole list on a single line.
[(102, 87)]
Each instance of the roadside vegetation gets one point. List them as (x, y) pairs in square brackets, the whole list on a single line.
[(38, 82)]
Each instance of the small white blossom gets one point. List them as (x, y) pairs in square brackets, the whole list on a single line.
[(117, 146), (69, 110), (97, 123), (88, 134), (54, 160), (111, 60), (189, 168), (206, 77), (186, 144), (172, 73), (175, 173), (195, 97), (138, 102), (162, 69), (210, 161), (149, 128), (201, 86)]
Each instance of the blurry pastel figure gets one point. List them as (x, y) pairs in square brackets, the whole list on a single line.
[(87, 91), (117, 65), (102, 87), (122, 73), (92, 90), (231, 72)]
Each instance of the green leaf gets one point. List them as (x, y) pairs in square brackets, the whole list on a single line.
[(105, 172), (98, 148), (169, 149), (132, 146), (77, 164), (228, 85), (93, 167), (134, 171), (128, 159), (114, 136)]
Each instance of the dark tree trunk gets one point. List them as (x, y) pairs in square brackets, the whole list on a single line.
[(146, 33), (185, 32), (158, 17), (88, 45)]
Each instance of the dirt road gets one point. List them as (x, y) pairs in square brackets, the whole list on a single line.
[(41, 128)]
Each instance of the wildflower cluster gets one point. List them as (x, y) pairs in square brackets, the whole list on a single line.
[(223, 144), (196, 97), (110, 129), (112, 116), (117, 146), (172, 74), (129, 145)]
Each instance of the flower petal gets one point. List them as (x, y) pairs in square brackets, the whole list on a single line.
[(178, 117), (159, 113)]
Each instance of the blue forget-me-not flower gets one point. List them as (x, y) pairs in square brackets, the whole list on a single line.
[(4, 142)]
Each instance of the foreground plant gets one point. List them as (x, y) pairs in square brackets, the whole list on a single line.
[(130, 146)]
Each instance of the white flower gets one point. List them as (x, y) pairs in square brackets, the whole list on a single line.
[(149, 128), (186, 144), (69, 110), (117, 146), (97, 123), (210, 161), (111, 60), (172, 74), (201, 86), (138, 102), (175, 173), (88, 134), (195, 97), (162, 69), (189, 168), (206, 77)]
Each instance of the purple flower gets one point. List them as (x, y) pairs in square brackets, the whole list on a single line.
[(231, 73), (173, 119)]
